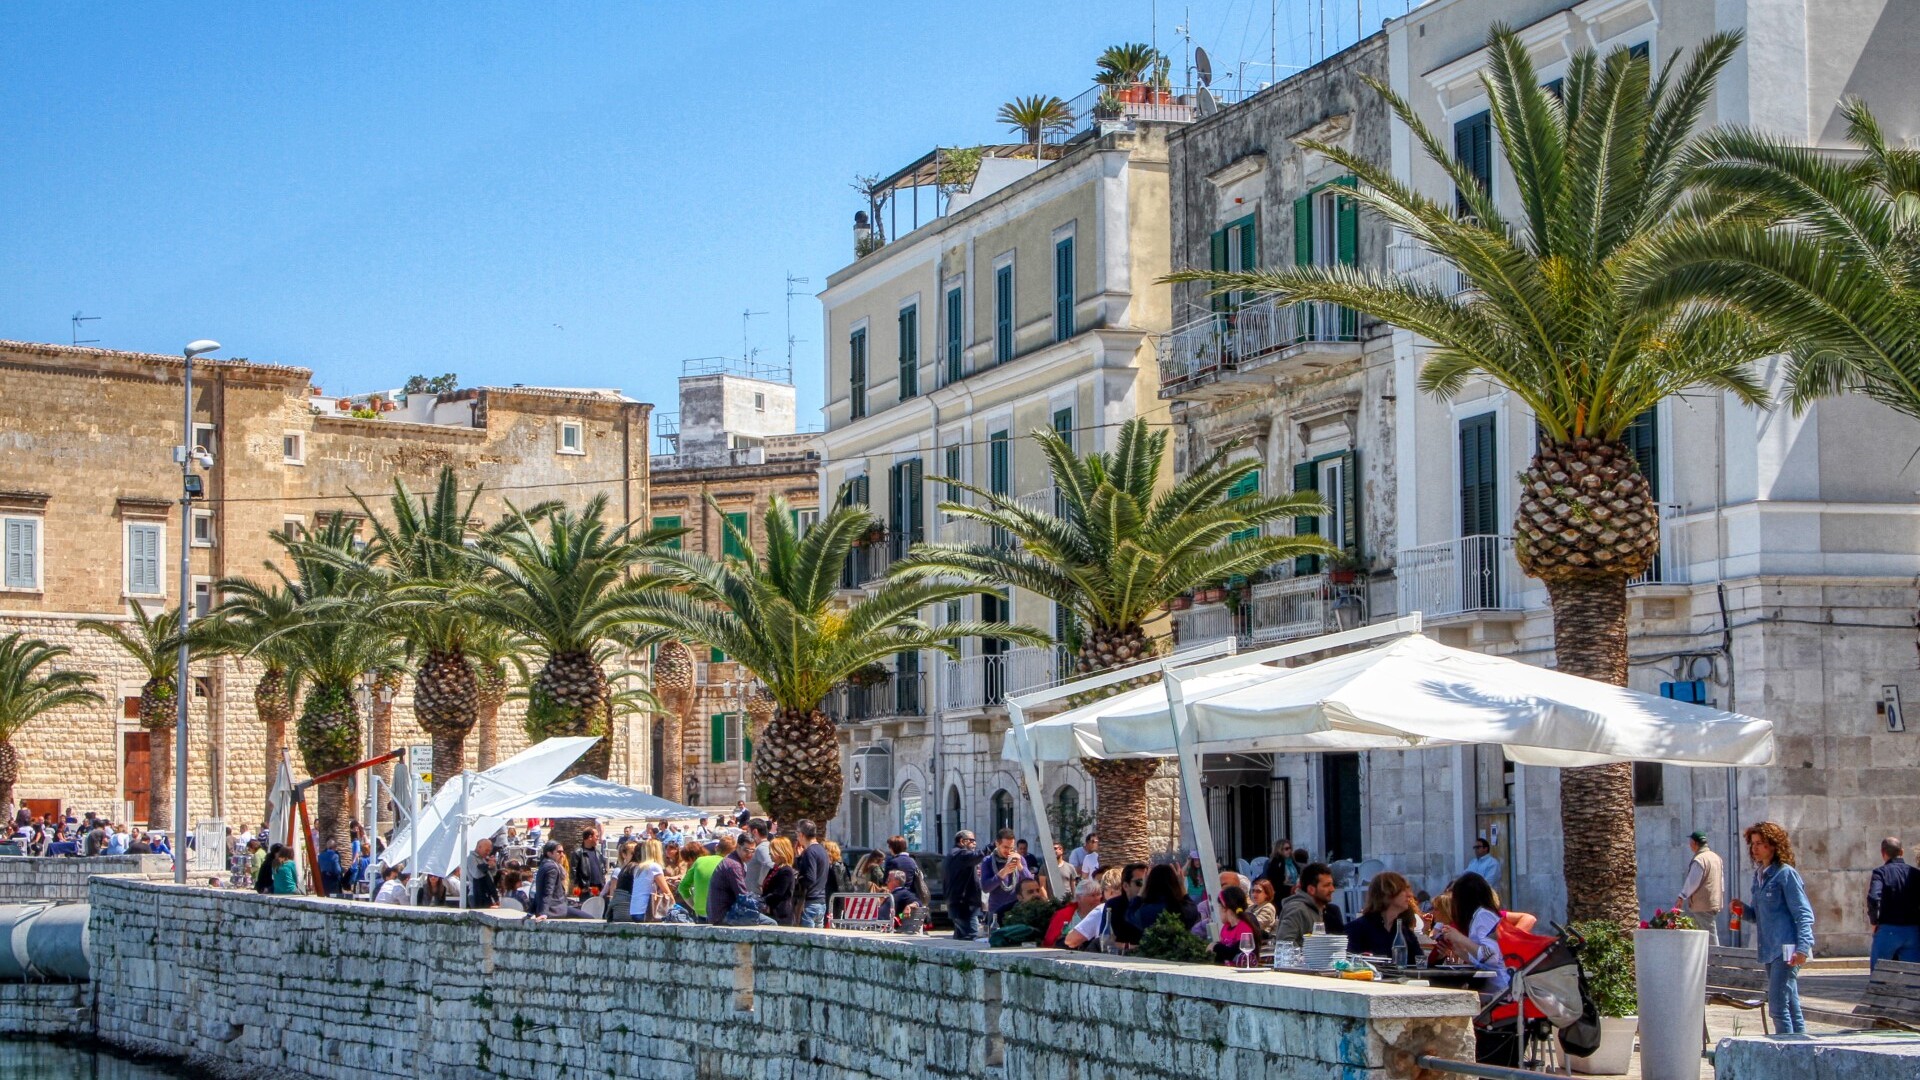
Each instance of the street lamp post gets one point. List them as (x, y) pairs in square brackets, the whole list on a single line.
[(189, 487)]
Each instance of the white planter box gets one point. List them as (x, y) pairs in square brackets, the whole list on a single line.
[(1616, 1048)]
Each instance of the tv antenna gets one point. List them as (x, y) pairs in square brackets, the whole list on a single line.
[(746, 351), (76, 321), (791, 293)]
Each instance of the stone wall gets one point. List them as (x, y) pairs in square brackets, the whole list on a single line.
[(28, 879), (319, 988), (46, 1009)]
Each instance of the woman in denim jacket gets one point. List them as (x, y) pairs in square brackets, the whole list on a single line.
[(1784, 918)]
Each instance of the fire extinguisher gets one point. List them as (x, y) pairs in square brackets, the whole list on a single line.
[(1733, 921)]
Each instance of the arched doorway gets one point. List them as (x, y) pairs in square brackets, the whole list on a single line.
[(912, 817), (1002, 813), (954, 823)]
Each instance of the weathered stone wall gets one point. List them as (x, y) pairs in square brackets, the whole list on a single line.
[(319, 988), (28, 879), (46, 1009)]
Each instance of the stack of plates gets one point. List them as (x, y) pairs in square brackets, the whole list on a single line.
[(1324, 950)]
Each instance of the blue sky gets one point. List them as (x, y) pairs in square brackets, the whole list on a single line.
[(579, 194)]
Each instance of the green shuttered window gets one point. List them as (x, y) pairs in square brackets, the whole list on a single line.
[(1003, 314), (857, 374), (909, 351), (1063, 289)]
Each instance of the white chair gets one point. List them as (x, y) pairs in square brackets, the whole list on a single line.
[(1369, 870), (595, 907), (512, 903), (1343, 875)]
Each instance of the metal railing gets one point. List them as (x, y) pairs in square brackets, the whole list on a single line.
[(984, 679), (1044, 500), (870, 561), (1172, 105), (1672, 565), (1247, 337), (1472, 573), (1288, 609), (1408, 258), (899, 695), (1203, 623)]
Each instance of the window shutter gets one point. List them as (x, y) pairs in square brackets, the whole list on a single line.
[(857, 375), (1246, 485), (1478, 475), (1306, 478), (1303, 231), (1003, 315), (1217, 259), (746, 746), (21, 540), (896, 510), (999, 463), (717, 743), (1349, 497), (669, 523), (860, 487), (912, 476), (735, 546), (1643, 438), (1473, 149), (1346, 224), (956, 334), (954, 493), (909, 352), (1063, 289)]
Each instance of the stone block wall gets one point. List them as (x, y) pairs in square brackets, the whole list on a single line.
[(28, 879), (44, 1010), (317, 988)]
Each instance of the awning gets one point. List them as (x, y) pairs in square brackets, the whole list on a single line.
[(431, 846), (590, 797)]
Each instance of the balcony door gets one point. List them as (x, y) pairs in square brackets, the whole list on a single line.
[(1479, 514)]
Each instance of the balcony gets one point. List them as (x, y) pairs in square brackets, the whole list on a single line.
[(1221, 352), (1288, 609), (901, 695), (1672, 565), (985, 679), (709, 459), (867, 564), (1419, 264), (1205, 623), (1458, 577)]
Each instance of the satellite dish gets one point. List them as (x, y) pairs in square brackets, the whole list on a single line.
[(1202, 66), (1206, 105)]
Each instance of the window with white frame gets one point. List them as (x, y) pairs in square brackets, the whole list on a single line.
[(22, 552), (203, 528), (805, 520), (203, 437), (202, 598), (294, 526), (146, 544), (1332, 479), (759, 403), (293, 447), (573, 439)]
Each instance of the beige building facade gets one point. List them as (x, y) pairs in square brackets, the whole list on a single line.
[(1029, 302), (89, 496)]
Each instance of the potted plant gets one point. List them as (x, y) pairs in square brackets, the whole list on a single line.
[(1210, 594), (1169, 939), (873, 674), (1607, 961), (1344, 568), (1109, 107), (1181, 602), (1670, 977)]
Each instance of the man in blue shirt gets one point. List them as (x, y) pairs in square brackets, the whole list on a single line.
[(1893, 907), (1001, 874)]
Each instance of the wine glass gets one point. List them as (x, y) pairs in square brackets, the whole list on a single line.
[(1246, 950)]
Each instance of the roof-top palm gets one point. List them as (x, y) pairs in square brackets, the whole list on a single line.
[(1826, 249), (1558, 315), (30, 688), (1036, 116), (1123, 546), (568, 586), (1127, 64), (776, 613), (153, 641)]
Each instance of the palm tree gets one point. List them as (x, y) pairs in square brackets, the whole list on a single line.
[(1126, 65), (153, 641), (1822, 248), (673, 681), (329, 644), (249, 623), (568, 586), (1036, 116), (489, 652), (1119, 546), (776, 614), (27, 693), (1555, 316), (419, 561)]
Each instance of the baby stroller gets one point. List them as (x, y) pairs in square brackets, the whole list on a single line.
[(1544, 1009)]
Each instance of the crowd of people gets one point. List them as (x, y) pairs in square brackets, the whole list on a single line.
[(89, 835)]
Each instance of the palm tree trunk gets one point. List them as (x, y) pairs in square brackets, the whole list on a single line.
[(9, 771), (673, 757), (160, 777), (1596, 802), (490, 678), (274, 705), (570, 697), (1120, 807), (329, 736), (797, 767), (385, 689), (446, 703)]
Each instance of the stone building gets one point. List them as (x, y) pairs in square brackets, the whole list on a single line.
[(89, 496), (1307, 389), (727, 453), (1785, 584), (1027, 301)]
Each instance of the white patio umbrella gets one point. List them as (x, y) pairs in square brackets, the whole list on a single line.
[(1414, 692), (589, 797), (432, 844)]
